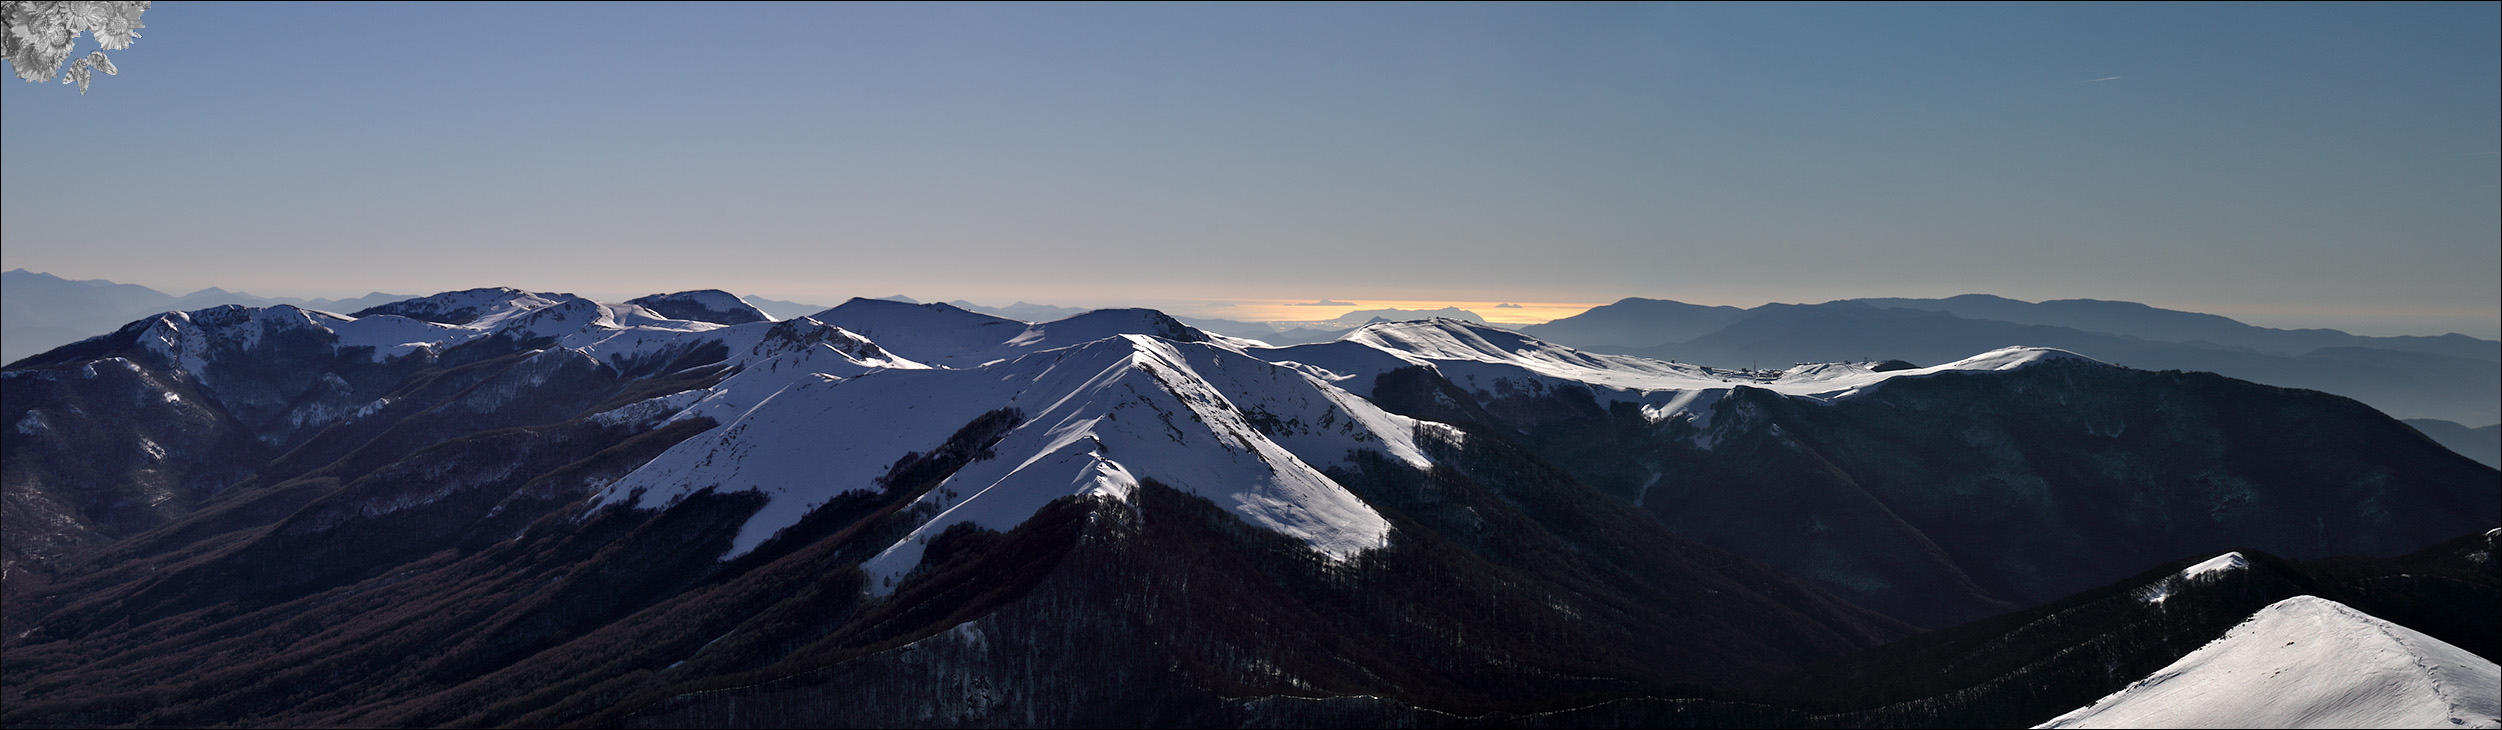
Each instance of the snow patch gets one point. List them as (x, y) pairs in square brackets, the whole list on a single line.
[(2205, 571), (394, 336), (2309, 662), (2215, 566)]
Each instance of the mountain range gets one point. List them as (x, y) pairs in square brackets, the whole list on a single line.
[(2452, 377), (500, 507), (43, 311)]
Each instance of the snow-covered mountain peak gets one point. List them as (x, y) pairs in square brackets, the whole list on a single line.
[(1494, 360), (1827, 381), (793, 335), (767, 357), (703, 305), (2309, 662), (2217, 565), (937, 334), (189, 339), (1102, 323), (470, 306), (948, 336), (1443, 341), (1453, 337), (2011, 358), (1503, 366), (889, 308), (1089, 419)]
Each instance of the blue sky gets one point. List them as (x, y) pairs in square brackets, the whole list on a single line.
[(2291, 165)]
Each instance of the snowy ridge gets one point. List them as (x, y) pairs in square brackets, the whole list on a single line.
[(703, 305), (1097, 418), (394, 336), (191, 339), (625, 338), (2309, 662), (2206, 571), (947, 336), (479, 307), (1102, 323), (789, 352), (606, 332), (1490, 360), (936, 334), (187, 338)]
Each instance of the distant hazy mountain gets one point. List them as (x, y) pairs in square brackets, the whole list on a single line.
[(1271, 333), (1302, 335), (1634, 323), (40, 311), (780, 310), (2421, 382), (2166, 325), (1023, 310), (1361, 317), (1230, 328), (2482, 444)]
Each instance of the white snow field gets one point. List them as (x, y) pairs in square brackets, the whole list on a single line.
[(2307, 662), (1487, 359)]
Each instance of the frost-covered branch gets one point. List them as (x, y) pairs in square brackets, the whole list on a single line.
[(39, 36)]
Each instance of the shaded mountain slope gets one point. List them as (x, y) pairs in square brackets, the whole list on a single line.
[(626, 539), (1634, 323), (2407, 384), (1940, 495), (2484, 445), (2132, 319)]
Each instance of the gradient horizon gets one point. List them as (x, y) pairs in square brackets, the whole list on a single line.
[(2285, 165)]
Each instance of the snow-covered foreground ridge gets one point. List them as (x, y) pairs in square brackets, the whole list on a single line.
[(2309, 662)]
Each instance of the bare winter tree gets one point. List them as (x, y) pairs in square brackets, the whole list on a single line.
[(39, 36)]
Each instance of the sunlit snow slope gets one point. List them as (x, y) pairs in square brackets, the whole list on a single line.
[(2309, 662), (1093, 420), (1487, 359)]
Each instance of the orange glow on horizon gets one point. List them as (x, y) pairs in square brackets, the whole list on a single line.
[(1304, 310)]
